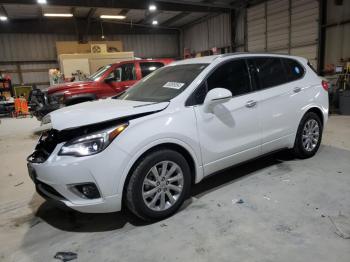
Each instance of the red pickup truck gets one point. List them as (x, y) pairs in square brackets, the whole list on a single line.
[(108, 81)]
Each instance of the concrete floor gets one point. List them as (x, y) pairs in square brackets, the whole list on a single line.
[(286, 214)]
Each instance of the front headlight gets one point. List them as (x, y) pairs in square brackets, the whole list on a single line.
[(92, 143)]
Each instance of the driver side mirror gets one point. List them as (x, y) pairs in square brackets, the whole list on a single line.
[(216, 96)]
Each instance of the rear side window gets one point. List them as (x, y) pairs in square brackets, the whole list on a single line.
[(294, 70), (270, 71), (233, 76), (149, 67)]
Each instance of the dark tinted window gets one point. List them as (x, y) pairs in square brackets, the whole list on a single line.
[(294, 70), (149, 67), (270, 71), (125, 72), (232, 76)]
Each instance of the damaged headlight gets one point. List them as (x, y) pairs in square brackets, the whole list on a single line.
[(92, 143)]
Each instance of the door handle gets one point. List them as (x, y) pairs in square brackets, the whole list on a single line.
[(250, 104), (297, 89)]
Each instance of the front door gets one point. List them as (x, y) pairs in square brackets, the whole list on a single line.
[(230, 133), (121, 78)]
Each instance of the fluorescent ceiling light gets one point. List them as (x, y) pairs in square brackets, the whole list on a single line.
[(152, 8), (154, 22), (42, 2), (120, 17), (58, 15), (3, 18)]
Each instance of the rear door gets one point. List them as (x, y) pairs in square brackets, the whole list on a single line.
[(279, 100), (231, 133)]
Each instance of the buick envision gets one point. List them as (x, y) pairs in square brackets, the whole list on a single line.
[(146, 147)]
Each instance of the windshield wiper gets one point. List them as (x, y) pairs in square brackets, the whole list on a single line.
[(150, 104)]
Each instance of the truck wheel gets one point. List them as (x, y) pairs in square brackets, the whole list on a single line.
[(158, 185), (309, 135)]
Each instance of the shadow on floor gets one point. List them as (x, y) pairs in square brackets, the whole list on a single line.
[(73, 221)]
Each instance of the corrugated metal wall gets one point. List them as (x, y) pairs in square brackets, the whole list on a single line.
[(284, 26), (337, 36), (29, 47), (213, 32), (42, 47), (239, 23)]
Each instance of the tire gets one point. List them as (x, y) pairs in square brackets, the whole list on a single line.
[(302, 147), (140, 198)]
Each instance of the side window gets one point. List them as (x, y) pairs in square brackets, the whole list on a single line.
[(125, 72), (294, 70), (233, 76), (270, 71), (149, 67)]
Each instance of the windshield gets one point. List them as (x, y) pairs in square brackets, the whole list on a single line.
[(163, 84), (96, 76)]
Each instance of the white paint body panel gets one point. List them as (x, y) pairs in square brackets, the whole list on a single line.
[(228, 135)]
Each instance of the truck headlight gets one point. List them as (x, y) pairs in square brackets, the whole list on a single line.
[(92, 143)]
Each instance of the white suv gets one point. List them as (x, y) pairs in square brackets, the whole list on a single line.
[(145, 148)]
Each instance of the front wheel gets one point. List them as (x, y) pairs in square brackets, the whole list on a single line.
[(309, 135), (158, 185)]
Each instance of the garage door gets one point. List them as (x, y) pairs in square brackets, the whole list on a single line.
[(284, 26)]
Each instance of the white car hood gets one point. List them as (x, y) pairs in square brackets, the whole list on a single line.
[(99, 111)]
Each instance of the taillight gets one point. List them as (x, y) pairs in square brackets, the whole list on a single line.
[(325, 85)]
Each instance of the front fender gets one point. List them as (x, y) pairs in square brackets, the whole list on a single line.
[(197, 162)]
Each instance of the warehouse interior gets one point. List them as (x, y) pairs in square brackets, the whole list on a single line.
[(274, 208)]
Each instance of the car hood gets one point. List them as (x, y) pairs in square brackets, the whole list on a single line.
[(94, 112), (69, 86)]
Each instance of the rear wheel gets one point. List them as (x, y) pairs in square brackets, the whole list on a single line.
[(309, 135), (158, 185)]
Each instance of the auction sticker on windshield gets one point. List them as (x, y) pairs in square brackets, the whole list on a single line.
[(175, 85)]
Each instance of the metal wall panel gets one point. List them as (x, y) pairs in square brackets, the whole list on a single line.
[(256, 28), (291, 27), (337, 44), (147, 46), (304, 22), (42, 47), (34, 47), (213, 32), (277, 25), (239, 30), (338, 36), (30, 47)]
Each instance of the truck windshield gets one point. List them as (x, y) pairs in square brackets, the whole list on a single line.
[(96, 76), (163, 84)]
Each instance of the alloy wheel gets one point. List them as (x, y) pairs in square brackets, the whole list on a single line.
[(162, 186), (311, 135)]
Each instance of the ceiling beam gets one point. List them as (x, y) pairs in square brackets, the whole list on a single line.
[(124, 12), (208, 4), (67, 26), (162, 5), (175, 18), (199, 20), (3, 10), (149, 17)]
